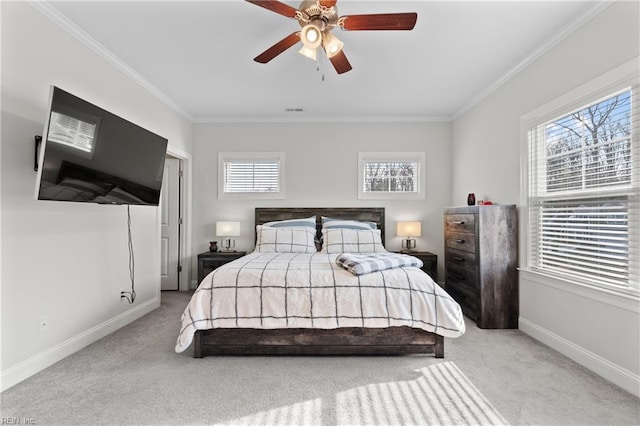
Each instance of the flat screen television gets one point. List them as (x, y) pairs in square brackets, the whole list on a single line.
[(90, 155)]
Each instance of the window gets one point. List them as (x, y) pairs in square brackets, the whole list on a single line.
[(583, 203), (391, 175), (250, 175)]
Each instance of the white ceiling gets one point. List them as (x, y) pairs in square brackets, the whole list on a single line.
[(198, 56)]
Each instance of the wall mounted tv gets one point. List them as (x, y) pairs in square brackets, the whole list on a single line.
[(90, 155)]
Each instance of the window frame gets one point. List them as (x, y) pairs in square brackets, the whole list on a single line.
[(609, 84), (225, 157), (413, 156)]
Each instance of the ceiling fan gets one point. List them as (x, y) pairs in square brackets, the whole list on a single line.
[(317, 18)]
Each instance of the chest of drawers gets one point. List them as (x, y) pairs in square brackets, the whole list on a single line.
[(481, 258)]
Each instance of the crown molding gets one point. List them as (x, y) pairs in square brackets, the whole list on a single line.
[(51, 13), (541, 50)]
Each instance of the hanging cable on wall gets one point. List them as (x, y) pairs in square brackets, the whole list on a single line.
[(130, 295)]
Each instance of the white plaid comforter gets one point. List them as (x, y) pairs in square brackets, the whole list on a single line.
[(304, 290)]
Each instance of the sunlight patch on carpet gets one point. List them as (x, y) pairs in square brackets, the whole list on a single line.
[(300, 413), (441, 395)]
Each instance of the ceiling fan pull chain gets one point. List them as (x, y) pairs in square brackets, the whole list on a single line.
[(318, 67)]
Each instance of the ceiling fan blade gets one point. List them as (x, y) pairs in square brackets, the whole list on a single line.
[(276, 6), (340, 62), (278, 48), (382, 21), (328, 3)]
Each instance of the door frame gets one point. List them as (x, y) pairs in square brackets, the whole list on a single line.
[(184, 210)]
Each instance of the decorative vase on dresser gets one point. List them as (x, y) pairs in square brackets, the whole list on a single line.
[(481, 260)]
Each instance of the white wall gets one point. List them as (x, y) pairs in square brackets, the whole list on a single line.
[(321, 171), (67, 261), (598, 331)]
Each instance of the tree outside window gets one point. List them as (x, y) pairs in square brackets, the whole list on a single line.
[(582, 193), (391, 175)]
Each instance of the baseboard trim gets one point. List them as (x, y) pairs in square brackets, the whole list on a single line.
[(39, 362), (620, 376)]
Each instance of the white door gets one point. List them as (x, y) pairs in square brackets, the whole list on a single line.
[(170, 237)]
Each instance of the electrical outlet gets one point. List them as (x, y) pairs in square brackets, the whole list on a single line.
[(43, 324)]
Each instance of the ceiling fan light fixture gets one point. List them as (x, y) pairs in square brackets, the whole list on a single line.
[(332, 45), (317, 18), (311, 36), (308, 52)]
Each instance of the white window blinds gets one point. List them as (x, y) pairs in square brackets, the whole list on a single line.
[(583, 200), (251, 175)]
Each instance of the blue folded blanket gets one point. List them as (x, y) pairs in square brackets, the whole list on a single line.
[(365, 263)]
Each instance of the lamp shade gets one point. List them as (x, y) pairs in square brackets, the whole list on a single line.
[(331, 44), (409, 229), (311, 36), (308, 52), (228, 229)]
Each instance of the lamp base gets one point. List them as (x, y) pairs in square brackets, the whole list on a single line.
[(409, 244), (228, 244)]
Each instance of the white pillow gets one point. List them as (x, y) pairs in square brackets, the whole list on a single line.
[(343, 240), (299, 239)]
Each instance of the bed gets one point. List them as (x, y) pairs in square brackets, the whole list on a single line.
[(296, 302)]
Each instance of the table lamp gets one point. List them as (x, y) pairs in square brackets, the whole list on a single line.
[(409, 230), (227, 230)]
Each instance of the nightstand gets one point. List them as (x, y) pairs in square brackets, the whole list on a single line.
[(429, 260), (210, 260)]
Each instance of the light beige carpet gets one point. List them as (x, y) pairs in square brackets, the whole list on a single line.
[(487, 377)]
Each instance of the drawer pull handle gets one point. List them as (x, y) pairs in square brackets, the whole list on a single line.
[(458, 222), (459, 241), (458, 259), (458, 276)]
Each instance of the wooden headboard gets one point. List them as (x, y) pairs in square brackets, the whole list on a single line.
[(371, 214)]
